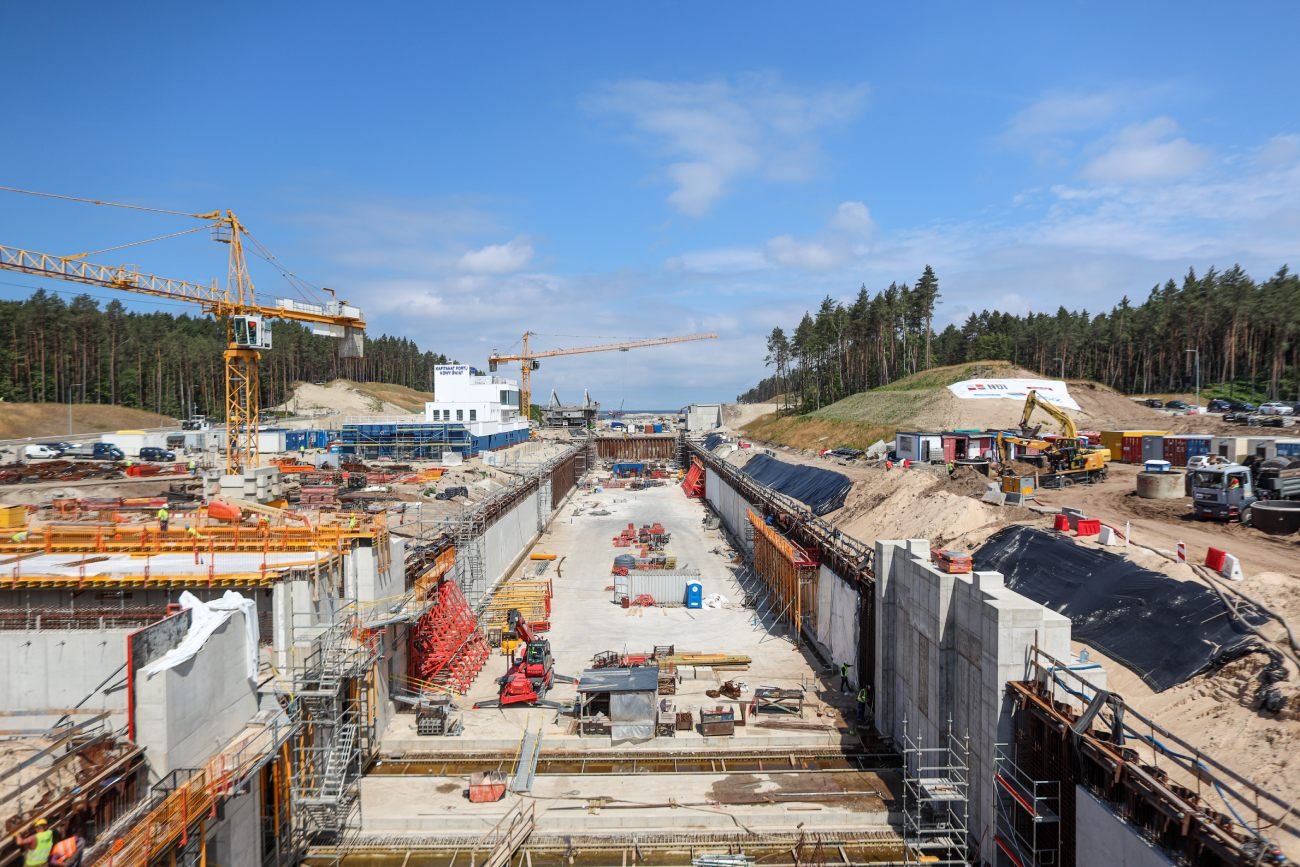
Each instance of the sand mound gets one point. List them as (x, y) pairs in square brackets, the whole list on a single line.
[(915, 504), (342, 397)]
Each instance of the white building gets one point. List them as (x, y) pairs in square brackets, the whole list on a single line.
[(485, 405)]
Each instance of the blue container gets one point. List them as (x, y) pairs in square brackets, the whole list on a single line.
[(659, 428), (695, 595)]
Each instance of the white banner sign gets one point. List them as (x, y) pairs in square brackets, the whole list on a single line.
[(1053, 391)]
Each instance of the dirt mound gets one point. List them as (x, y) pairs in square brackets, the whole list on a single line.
[(50, 420), (343, 397)]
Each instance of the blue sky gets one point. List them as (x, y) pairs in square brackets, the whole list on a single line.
[(466, 171)]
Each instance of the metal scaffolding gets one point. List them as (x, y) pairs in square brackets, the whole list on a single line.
[(936, 800), (1028, 814)]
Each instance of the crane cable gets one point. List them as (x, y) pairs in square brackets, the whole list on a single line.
[(109, 204), (145, 241)]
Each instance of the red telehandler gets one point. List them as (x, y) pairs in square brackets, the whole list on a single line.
[(529, 677)]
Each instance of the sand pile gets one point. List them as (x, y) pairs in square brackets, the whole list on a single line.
[(915, 504), (737, 415), (338, 397)]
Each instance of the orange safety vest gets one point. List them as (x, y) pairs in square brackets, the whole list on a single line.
[(65, 848)]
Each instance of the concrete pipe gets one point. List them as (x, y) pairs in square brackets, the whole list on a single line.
[(980, 465), (1276, 517), (1160, 486)]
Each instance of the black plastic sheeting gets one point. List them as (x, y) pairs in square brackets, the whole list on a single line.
[(821, 490), (712, 441), (1165, 630)]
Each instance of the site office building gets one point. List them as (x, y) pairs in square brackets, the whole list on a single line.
[(486, 406)]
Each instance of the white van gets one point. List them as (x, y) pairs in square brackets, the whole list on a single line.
[(36, 450)]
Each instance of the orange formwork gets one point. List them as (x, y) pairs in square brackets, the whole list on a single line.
[(790, 575)]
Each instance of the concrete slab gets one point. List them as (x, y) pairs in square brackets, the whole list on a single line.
[(585, 621), (620, 806)]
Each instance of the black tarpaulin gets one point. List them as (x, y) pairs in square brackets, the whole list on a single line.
[(821, 490), (1163, 629), (713, 440)]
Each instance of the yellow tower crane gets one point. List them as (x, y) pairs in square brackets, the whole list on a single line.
[(248, 330), (529, 363)]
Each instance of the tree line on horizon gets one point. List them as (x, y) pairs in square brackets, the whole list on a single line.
[(52, 351), (1247, 333)]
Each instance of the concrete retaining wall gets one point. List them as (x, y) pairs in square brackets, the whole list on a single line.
[(1103, 840), (183, 714), (56, 668), (837, 621), (729, 505), (507, 538), (946, 646)]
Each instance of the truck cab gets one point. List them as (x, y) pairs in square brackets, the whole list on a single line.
[(1223, 492)]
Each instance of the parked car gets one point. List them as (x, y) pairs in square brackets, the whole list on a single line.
[(1154, 403), (1180, 405), (1218, 405), (40, 450), (1276, 407), (153, 453)]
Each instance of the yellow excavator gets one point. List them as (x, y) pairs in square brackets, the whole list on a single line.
[(1069, 457)]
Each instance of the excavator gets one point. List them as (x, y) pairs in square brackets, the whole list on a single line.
[(529, 677), (1069, 457)]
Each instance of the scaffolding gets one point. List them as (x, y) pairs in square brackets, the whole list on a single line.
[(788, 572), (936, 800), (336, 687), (1028, 814)]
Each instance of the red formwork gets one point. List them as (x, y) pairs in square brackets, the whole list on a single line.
[(693, 483), (447, 648)]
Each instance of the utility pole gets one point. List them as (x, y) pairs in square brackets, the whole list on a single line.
[(70, 390), (1198, 378), (1062, 360)]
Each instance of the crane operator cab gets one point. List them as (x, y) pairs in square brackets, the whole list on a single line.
[(251, 332)]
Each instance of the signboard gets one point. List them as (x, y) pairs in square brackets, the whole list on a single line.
[(451, 369), (1053, 391)]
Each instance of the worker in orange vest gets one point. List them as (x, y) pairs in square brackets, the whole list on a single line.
[(38, 844), (67, 852)]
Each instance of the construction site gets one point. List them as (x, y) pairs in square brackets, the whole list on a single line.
[(425, 629)]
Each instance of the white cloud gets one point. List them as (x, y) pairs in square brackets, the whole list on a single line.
[(505, 258), (726, 260), (714, 133), (1058, 113), (1146, 152), (785, 251), (853, 218)]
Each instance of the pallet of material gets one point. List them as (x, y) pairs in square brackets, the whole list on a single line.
[(531, 597), (708, 660)]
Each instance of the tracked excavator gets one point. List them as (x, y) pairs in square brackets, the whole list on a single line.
[(1068, 458), (529, 676)]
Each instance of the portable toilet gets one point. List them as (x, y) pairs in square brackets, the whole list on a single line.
[(694, 595)]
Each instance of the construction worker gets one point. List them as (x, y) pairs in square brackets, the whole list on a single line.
[(38, 845), (862, 704), (353, 523), (193, 532), (844, 676), (19, 537), (163, 515), (192, 467), (67, 852)]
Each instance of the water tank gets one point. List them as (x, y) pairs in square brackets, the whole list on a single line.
[(695, 595), (627, 561), (1160, 486)]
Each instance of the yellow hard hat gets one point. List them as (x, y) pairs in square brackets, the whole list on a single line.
[(41, 823)]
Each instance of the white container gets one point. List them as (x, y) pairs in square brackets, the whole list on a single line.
[(668, 589)]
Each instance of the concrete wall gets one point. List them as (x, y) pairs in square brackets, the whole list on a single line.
[(58, 668), (507, 538), (946, 646), (238, 837), (729, 505), (365, 579), (837, 621), (1103, 840), (703, 416), (184, 714)]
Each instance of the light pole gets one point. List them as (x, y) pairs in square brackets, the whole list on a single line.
[(1062, 360), (70, 389), (1198, 378)]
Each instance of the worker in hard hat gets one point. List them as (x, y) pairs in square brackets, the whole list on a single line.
[(19, 537), (354, 522), (67, 852), (863, 698), (193, 533), (37, 845), (163, 516), (191, 466)]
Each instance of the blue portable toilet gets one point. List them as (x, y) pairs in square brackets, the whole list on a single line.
[(695, 595)]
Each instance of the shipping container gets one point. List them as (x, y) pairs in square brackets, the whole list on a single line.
[(667, 589), (1180, 448), (920, 447), (1153, 448), (1288, 447), (1273, 447), (1114, 441)]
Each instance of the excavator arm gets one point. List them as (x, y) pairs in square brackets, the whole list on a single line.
[(1032, 401)]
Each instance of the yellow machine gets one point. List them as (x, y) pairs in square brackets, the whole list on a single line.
[(1069, 458), (529, 363), (248, 323)]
